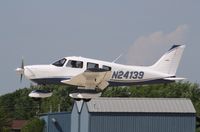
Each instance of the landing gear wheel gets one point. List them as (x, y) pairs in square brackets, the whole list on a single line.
[(77, 99), (86, 100)]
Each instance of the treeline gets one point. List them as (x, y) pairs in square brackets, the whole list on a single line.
[(18, 105)]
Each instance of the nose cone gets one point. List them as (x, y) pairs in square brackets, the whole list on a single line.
[(37, 71), (32, 72), (25, 71), (19, 71), (29, 72)]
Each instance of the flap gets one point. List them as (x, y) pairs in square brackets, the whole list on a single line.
[(90, 79)]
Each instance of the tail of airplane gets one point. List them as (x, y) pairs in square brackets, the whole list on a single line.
[(169, 62)]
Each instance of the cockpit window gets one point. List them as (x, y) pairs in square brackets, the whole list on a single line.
[(92, 65), (60, 63), (74, 64), (106, 68)]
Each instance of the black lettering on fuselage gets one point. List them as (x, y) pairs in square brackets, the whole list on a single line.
[(128, 75), (115, 74)]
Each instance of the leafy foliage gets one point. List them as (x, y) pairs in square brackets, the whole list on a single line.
[(4, 120), (18, 105), (34, 125)]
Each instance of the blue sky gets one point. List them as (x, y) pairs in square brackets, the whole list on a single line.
[(44, 31)]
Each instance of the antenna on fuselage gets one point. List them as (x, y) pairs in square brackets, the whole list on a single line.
[(117, 58)]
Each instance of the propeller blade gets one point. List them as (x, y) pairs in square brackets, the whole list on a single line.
[(21, 77), (20, 70), (22, 65)]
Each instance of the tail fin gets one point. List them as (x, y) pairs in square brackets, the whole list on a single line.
[(169, 62)]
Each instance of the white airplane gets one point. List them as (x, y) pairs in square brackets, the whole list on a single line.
[(90, 74)]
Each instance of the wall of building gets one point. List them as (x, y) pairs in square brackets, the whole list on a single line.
[(45, 118), (84, 119), (75, 119), (138, 122), (57, 122)]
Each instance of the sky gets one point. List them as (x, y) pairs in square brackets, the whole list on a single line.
[(42, 31)]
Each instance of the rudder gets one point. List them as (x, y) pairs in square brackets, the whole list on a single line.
[(169, 62)]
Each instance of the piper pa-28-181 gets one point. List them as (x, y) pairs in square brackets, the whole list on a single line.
[(95, 75)]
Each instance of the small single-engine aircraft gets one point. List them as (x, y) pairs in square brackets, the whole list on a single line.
[(95, 75)]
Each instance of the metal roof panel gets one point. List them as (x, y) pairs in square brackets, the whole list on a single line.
[(142, 105)]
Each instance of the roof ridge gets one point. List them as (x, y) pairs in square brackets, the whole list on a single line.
[(138, 98)]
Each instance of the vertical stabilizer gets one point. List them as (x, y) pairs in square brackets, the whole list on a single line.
[(169, 62)]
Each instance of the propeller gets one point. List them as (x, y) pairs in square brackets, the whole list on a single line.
[(22, 67), (21, 70)]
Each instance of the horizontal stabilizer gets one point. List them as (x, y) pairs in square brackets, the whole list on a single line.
[(174, 79)]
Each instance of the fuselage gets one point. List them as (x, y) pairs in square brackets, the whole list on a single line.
[(69, 67)]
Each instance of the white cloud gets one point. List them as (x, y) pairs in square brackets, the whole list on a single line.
[(147, 49)]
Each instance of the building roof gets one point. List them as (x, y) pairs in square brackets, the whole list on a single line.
[(18, 124), (141, 105)]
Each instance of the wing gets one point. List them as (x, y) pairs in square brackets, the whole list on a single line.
[(91, 78)]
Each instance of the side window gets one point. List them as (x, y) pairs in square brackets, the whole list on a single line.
[(74, 64), (106, 68), (92, 65)]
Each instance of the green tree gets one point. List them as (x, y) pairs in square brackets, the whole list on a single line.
[(4, 120), (18, 105), (6, 129), (34, 125)]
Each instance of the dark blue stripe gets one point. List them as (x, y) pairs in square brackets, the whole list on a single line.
[(157, 81), (49, 80), (111, 83)]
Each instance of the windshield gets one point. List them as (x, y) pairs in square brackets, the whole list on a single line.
[(60, 62)]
